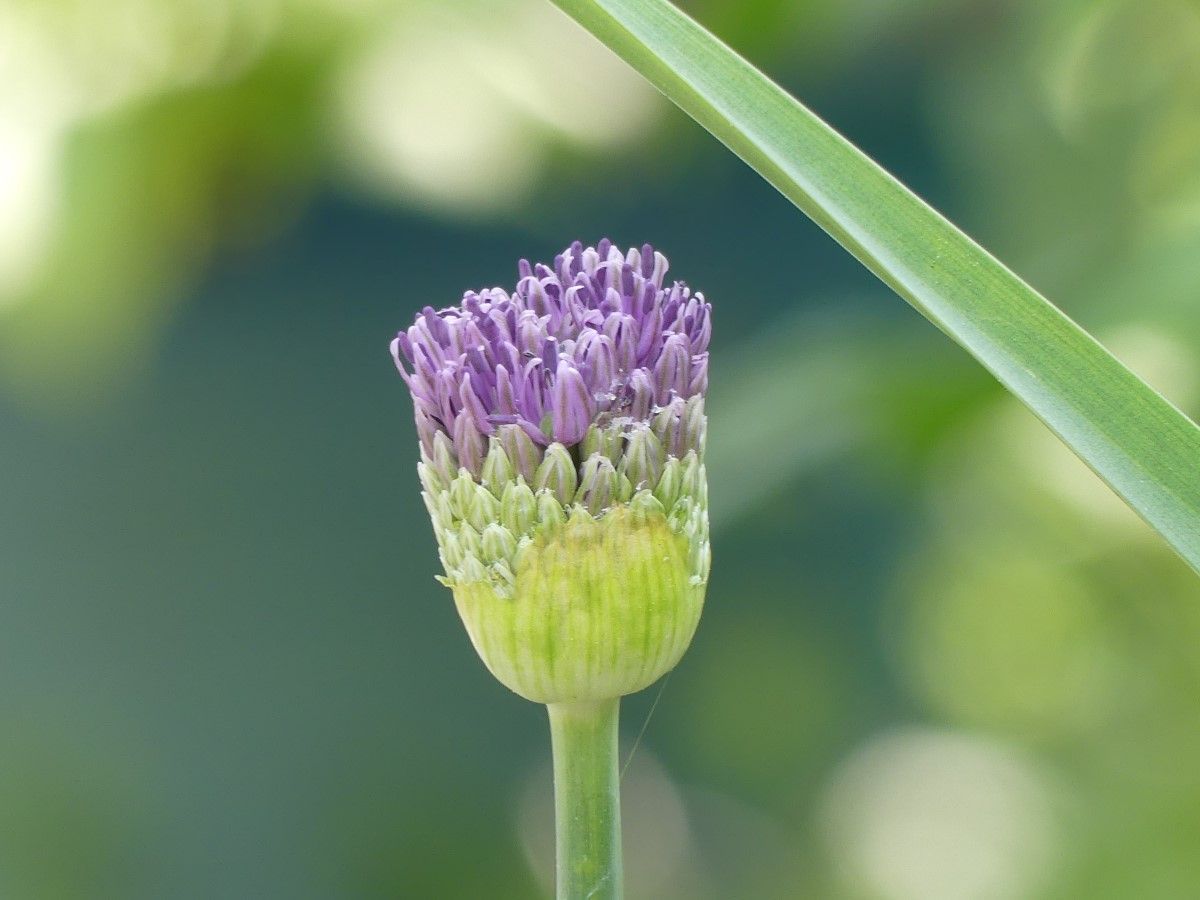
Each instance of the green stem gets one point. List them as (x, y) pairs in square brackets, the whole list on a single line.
[(587, 799)]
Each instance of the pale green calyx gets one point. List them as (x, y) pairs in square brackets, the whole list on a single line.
[(586, 582)]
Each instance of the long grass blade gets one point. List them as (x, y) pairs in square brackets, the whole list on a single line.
[(1142, 446)]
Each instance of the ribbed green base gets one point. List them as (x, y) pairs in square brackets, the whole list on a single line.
[(600, 608)]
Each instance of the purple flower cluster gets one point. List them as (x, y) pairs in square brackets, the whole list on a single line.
[(595, 339)]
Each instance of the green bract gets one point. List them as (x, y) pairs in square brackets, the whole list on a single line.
[(577, 580)]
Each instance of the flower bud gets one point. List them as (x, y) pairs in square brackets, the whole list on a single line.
[(518, 507), (497, 470), (579, 570), (557, 474)]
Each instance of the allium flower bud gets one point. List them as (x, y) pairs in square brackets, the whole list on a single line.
[(562, 434)]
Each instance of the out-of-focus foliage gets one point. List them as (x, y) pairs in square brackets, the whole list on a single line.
[(939, 660), (137, 135)]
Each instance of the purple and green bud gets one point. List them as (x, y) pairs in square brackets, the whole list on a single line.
[(562, 434)]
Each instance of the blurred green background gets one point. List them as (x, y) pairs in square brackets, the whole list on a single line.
[(939, 661)]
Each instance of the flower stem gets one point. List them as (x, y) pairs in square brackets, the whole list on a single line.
[(587, 799)]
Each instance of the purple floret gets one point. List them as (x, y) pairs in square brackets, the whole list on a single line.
[(594, 339)]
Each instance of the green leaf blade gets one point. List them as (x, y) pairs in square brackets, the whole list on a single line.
[(1134, 439)]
